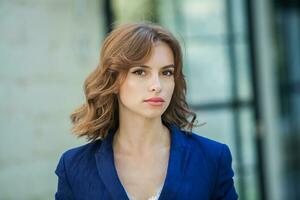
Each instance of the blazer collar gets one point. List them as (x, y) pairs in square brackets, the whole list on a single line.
[(178, 157)]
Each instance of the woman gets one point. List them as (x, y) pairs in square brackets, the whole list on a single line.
[(136, 119)]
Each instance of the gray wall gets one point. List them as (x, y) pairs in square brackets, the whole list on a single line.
[(47, 48)]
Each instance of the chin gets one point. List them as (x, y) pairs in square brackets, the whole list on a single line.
[(152, 114)]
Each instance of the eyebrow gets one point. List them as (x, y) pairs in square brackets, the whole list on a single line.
[(164, 67)]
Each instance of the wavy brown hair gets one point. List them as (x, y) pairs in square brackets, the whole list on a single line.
[(127, 46)]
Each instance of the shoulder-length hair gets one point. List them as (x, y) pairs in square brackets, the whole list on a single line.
[(127, 46)]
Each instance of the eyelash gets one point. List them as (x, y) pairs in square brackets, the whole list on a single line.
[(138, 72)]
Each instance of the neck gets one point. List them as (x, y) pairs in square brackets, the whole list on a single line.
[(141, 135)]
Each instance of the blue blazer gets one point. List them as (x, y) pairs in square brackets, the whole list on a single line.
[(198, 168)]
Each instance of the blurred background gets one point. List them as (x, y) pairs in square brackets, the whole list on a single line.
[(241, 61)]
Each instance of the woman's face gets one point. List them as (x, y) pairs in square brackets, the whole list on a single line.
[(148, 88)]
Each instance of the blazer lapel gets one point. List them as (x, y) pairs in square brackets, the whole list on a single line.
[(179, 153), (107, 171)]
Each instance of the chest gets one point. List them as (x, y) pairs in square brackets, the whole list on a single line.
[(142, 176)]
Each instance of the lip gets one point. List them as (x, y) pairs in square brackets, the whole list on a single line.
[(155, 100)]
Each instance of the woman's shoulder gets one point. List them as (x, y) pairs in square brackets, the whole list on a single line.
[(208, 147), (205, 142), (84, 151), (218, 161), (193, 138)]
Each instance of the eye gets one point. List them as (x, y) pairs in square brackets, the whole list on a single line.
[(139, 72), (168, 72)]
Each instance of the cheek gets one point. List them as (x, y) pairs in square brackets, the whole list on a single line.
[(130, 88), (170, 87)]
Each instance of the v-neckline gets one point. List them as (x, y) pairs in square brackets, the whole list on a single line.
[(158, 189), (158, 192), (178, 154)]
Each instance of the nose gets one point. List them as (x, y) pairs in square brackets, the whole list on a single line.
[(155, 84)]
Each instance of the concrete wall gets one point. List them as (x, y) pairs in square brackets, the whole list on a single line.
[(47, 48)]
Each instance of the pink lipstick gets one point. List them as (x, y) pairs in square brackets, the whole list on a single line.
[(155, 101)]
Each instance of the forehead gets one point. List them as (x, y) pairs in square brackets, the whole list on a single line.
[(161, 55)]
